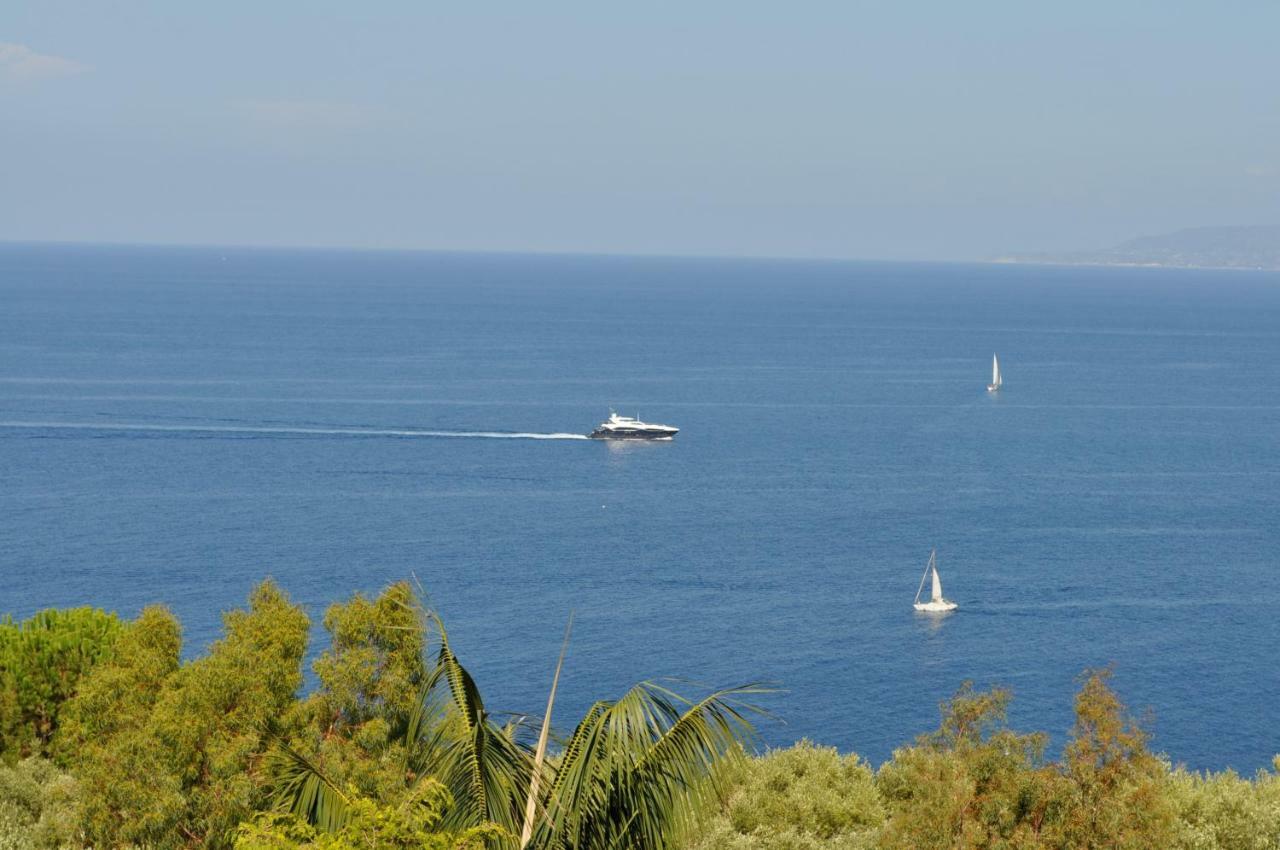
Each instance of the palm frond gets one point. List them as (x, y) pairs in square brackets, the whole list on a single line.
[(304, 790), (453, 738), (636, 770), (539, 756)]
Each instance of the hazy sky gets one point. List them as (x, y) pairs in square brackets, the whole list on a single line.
[(844, 129)]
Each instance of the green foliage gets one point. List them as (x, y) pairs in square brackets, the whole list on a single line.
[(632, 775), (39, 807), (127, 789), (169, 754), (454, 739), (397, 749), (805, 797), (374, 667), (973, 783), (413, 823), (1115, 795), (353, 726), (448, 735), (42, 661), (639, 771), (1227, 811)]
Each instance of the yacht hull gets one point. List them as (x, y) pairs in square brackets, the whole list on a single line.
[(935, 607), (631, 435)]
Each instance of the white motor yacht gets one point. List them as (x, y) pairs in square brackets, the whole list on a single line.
[(629, 428)]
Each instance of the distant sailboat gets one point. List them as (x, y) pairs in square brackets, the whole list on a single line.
[(936, 603), (996, 381)]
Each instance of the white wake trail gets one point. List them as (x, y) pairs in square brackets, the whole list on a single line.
[(266, 429)]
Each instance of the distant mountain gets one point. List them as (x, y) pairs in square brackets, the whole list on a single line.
[(1255, 247)]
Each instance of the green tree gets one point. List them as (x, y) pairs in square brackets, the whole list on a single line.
[(127, 790), (448, 735), (374, 667), (1116, 792), (370, 678), (178, 765), (42, 661), (631, 774), (972, 784)]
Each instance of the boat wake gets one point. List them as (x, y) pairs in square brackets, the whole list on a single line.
[(283, 430)]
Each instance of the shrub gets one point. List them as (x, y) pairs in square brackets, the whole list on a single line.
[(798, 798), (1223, 810), (414, 823), (39, 807)]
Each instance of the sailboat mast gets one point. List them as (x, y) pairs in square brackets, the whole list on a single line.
[(925, 577)]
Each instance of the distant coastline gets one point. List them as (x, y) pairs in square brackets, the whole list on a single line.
[(1253, 248)]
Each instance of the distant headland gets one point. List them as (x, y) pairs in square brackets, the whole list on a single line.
[(1254, 247)]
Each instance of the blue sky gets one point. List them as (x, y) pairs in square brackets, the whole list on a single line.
[(840, 129)]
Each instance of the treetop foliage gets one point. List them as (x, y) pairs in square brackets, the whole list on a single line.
[(109, 739), (41, 662)]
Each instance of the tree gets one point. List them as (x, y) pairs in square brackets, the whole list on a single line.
[(374, 667), (637, 772), (370, 677), (629, 775), (1116, 793), (1224, 810), (972, 784), (124, 785), (42, 662), (169, 754)]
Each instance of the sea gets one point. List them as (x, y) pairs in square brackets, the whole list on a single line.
[(177, 424)]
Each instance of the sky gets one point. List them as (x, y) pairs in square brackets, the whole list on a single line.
[(878, 130)]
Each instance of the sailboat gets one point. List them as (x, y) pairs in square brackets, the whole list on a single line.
[(996, 381), (936, 603)]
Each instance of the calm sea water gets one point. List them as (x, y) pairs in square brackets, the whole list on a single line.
[(177, 424)]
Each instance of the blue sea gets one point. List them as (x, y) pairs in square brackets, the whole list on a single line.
[(177, 424)]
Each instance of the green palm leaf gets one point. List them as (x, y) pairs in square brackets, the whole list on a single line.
[(635, 772), (630, 777), (304, 790), (454, 739)]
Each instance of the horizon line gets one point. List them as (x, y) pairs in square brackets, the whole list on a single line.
[(1003, 260), (516, 252)]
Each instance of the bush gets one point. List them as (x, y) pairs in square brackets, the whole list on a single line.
[(802, 797), (1223, 810), (39, 807), (411, 824)]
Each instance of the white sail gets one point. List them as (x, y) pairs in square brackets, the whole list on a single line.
[(995, 371), (936, 604)]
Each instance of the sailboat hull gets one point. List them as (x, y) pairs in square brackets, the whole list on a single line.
[(991, 388), (936, 607)]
